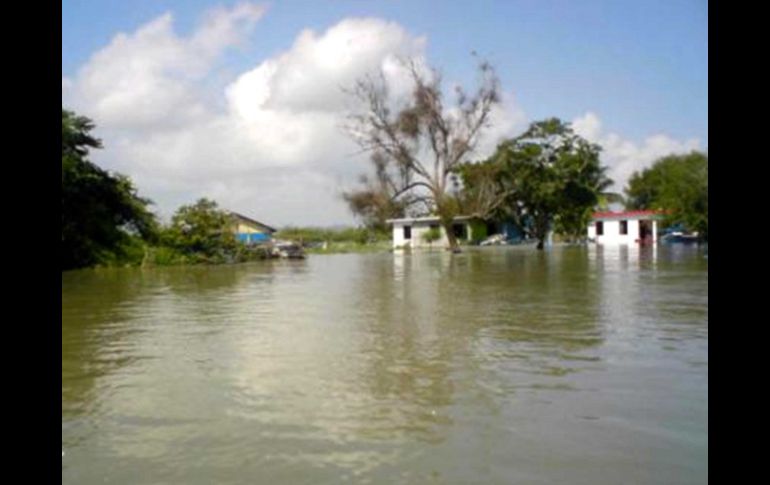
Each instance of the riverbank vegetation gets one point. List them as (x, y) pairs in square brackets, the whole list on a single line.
[(341, 240), (105, 222), (103, 217), (201, 233)]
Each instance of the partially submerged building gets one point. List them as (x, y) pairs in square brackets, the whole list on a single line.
[(411, 231), (628, 227), (250, 231)]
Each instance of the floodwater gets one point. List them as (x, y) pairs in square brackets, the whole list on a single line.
[(498, 365)]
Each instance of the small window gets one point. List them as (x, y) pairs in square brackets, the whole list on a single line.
[(407, 232), (623, 227), (599, 228)]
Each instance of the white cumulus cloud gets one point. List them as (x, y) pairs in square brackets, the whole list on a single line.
[(269, 143), (274, 150), (312, 74), (147, 79)]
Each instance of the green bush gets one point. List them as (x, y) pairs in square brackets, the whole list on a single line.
[(202, 231), (431, 235), (357, 235), (478, 231)]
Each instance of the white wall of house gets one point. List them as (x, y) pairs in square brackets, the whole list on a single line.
[(419, 228), (612, 233)]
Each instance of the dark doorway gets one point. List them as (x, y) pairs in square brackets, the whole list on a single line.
[(459, 231), (645, 232)]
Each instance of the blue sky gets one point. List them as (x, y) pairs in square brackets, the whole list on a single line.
[(641, 68), (642, 65)]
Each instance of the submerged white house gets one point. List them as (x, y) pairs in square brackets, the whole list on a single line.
[(629, 227), (410, 231)]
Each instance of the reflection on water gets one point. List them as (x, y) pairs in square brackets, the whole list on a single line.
[(498, 365)]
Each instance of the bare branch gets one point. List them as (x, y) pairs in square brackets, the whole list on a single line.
[(409, 135)]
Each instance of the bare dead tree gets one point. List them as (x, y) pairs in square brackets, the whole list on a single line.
[(418, 143)]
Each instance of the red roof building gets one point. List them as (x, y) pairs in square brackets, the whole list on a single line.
[(636, 214), (626, 227)]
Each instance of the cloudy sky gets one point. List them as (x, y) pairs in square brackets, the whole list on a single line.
[(243, 102)]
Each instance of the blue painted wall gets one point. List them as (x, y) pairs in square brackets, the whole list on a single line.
[(252, 238)]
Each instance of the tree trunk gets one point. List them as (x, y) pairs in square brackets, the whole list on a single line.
[(541, 231), (541, 235), (450, 235)]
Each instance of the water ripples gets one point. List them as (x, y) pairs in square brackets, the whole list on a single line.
[(366, 367)]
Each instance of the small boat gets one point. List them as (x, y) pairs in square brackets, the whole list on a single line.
[(287, 250)]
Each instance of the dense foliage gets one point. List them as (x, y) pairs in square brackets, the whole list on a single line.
[(677, 184), (549, 177), (102, 214), (203, 232), (105, 221)]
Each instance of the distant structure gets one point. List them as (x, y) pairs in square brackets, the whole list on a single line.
[(410, 231), (627, 227), (250, 231)]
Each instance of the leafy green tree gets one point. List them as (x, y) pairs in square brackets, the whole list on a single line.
[(202, 229), (549, 177), (585, 189), (677, 184), (101, 212)]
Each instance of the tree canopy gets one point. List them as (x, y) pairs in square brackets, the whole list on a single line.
[(677, 184), (548, 176), (204, 233), (202, 229), (100, 211)]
